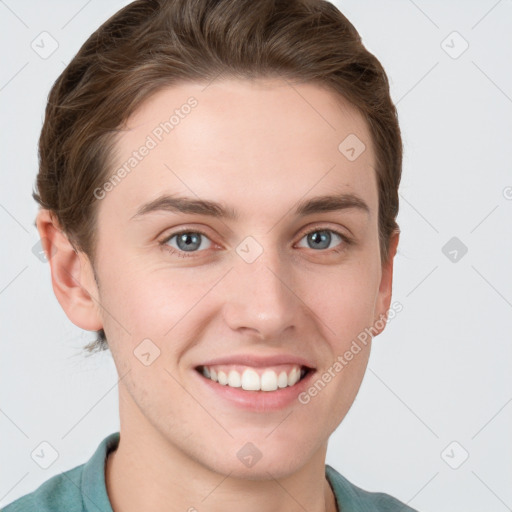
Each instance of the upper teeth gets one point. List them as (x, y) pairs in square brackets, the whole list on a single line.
[(249, 379)]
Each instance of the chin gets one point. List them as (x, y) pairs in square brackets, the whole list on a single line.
[(252, 461), (261, 470)]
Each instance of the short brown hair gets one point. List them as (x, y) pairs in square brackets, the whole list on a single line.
[(151, 44)]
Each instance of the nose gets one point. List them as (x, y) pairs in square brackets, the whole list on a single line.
[(261, 297)]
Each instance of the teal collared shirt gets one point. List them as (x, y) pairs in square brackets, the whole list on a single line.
[(83, 489)]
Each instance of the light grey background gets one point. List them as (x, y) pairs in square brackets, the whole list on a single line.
[(439, 383)]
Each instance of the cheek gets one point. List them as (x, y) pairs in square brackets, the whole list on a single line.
[(153, 302), (345, 300), (144, 301), (345, 308)]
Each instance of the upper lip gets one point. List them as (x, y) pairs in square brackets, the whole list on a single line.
[(259, 360)]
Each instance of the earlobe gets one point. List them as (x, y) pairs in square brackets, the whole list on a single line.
[(72, 274), (386, 285)]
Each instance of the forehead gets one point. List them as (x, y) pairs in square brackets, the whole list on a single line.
[(248, 143)]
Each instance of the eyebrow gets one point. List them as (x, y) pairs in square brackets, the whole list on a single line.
[(180, 204)]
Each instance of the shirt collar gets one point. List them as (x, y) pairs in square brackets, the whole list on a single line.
[(94, 490)]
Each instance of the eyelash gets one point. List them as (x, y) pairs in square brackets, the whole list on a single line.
[(347, 241)]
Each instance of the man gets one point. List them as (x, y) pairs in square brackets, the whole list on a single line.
[(218, 191)]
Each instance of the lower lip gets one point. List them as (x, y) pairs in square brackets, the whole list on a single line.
[(258, 401)]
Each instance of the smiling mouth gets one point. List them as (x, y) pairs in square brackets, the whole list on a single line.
[(255, 379)]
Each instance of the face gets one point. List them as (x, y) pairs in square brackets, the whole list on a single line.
[(269, 271)]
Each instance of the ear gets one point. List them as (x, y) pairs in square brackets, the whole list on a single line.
[(386, 285), (72, 274)]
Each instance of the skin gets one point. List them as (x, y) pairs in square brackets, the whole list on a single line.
[(258, 147)]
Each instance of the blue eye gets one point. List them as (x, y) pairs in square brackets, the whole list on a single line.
[(322, 238), (188, 243)]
